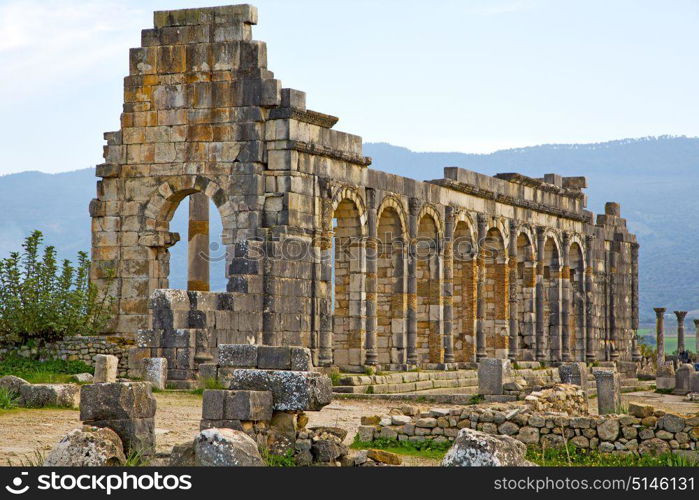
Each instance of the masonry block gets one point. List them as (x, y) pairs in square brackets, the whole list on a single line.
[(106, 368), (237, 355), (291, 391), (492, 375)]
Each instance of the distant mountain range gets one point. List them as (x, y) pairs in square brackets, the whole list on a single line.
[(655, 179)]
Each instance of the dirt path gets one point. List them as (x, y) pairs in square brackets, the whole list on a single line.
[(23, 432)]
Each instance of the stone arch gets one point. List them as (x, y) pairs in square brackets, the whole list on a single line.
[(159, 211), (465, 277), (525, 290), (496, 290), (433, 213), (430, 348), (348, 220), (391, 285)]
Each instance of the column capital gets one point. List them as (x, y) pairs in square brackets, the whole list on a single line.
[(680, 315), (659, 311)]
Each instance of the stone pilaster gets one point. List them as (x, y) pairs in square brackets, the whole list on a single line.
[(636, 352), (566, 290), (371, 270), (325, 352), (480, 290), (513, 295), (198, 244), (590, 344), (414, 210), (660, 334), (448, 290), (540, 300)]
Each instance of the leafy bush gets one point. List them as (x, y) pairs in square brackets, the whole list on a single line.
[(42, 301), (274, 460)]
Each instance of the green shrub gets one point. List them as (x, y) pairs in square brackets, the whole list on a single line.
[(8, 399), (335, 378), (273, 460), (42, 301), (425, 449), (209, 383), (476, 399)]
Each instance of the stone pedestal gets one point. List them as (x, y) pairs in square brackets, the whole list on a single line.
[(608, 391), (492, 375), (106, 369), (574, 373), (683, 379), (155, 372), (665, 377)]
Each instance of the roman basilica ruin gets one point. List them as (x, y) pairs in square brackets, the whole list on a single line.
[(325, 251)]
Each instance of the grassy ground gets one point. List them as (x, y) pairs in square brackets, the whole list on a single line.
[(577, 457), (647, 336), (426, 449), (53, 371)]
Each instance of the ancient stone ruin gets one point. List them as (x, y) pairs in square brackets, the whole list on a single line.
[(360, 266)]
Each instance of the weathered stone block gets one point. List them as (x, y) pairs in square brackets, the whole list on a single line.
[(237, 355), (291, 391), (116, 401), (574, 373), (493, 374), (155, 372), (301, 359), (237, 405), (106, 368), (137, 434), (683, 379), (608, 391), (273, 357), (41, 395), (12, 384)]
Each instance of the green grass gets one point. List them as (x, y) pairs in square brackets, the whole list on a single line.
[(663, 391), (52, 371), (335, 378), (135, 458), (37, 459), (647, 336), (581, 457), (424, 449), (476, 399), (208, 383), (8, 399), (273, 460)]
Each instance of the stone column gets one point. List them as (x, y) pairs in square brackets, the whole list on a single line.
[(636, 354), (591, 347), (414, 207), (540, 330), (565, 300), (612, 310), (514, 295), (448, 293), (696, 333), (681, 315), (480, 290), (371, 270), (660, 335), (325, 246), (198, 246)]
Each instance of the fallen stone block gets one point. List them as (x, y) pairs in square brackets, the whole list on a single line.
[(12, 384), (155, 372), (226, 448), (106, 368), (82, 378), (116, 401), (384, 457), (87, 447), (237, 405), (137, 434), (608, 392), (473, 448), (42, 395), (574, 373), (301, 359), (273, 357), (683, 379), (182, 455), (291, 390), (640, 410), (492, 375)]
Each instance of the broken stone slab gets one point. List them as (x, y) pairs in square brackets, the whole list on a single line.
[(182, 455), (12, 384), (237, 355), (42, 395), (384, 457), (608, 391), (683, 379), (574, 373), (226, 448), (116, 401), (301, 359), (493, 373), (291, 390), (106, 368), (87, 447), (640, 410), (137, 434), (473, 448), (82, 378), (237, 405), (155, 372), (274, 357)]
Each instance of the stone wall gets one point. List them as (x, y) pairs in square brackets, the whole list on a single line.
[(539, 276), (548, 418), (82, 349)]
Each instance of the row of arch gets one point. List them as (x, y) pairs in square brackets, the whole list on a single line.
[(408, 287)]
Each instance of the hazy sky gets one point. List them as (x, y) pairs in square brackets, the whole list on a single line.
[(470, 76)]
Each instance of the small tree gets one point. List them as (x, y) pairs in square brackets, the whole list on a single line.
[(42, 302)]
